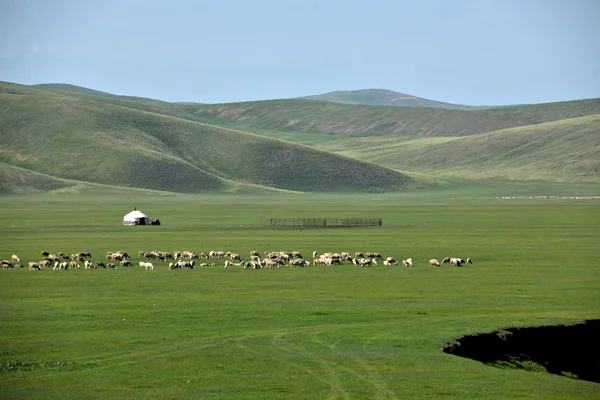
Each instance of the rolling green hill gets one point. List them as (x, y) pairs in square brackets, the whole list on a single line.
[(73, 138), (566, 150), (53, 137), (383, 97), (63, 87), (359, 120)]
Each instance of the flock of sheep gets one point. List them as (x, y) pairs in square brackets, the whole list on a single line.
[(187, 260)]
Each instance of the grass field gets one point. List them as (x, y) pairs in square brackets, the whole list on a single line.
[(312, 333)]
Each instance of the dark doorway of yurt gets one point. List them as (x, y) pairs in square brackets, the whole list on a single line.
[(140, 221)]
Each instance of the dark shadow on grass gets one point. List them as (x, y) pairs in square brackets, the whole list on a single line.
[(567, 350)]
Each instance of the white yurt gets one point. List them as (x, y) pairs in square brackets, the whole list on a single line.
[(136, 218)]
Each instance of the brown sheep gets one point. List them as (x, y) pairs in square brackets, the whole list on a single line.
[(434, 263)]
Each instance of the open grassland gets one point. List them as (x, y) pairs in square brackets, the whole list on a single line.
[(318, 332)]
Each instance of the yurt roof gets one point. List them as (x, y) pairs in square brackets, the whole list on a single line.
[(135, 215)]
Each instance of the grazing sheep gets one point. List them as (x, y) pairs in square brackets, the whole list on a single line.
[(407, 263), (367, 262), (390, 261), (434, 263), (445, 260), (33, 266), (299, 263), (125, 263), (469, 261), (457, 261), (15, 257), (146, 265), (58, 265), (74, 265)]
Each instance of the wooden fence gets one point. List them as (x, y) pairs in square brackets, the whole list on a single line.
[(321, 222)]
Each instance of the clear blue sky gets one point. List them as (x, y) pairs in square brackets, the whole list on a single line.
[(476, 52)]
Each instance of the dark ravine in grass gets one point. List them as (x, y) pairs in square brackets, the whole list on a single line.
[(568, 350)]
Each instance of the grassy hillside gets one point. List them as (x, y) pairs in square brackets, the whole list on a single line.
[(358, 120), (71, 138), (325, 146), (562, 150), (63, 87), (19, 180), (320, 117), (382, 97)]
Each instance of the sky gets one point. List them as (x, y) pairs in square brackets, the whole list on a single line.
[(473, 52)]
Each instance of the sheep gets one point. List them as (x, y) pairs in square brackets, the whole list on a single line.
[(390, 261), (232, 264), (125, 263), (33, 266), (469, 261), (253, 265), (111, 266), (367, 262), (6, 264), (434, 263), (74, 265), (270, 263), (358, 255), (147, 266), (203, 255), (15, 257), (457, 261), (58, 265), (299, 263), (296, 254), (89, 265), (407, 263)]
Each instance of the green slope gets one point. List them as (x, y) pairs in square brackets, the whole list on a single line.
[(72, 138), (567, 150), (383, 97), (358, 120), (63, 87), (276, 117)]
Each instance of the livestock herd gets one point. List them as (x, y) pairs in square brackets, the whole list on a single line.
[(188, 260)]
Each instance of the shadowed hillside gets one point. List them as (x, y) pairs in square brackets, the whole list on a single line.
[(72, 138), (382, 97)]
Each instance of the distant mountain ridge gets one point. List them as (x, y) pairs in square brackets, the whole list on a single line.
[(384, 97)]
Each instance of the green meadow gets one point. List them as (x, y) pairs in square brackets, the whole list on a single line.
[(339, 332)]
